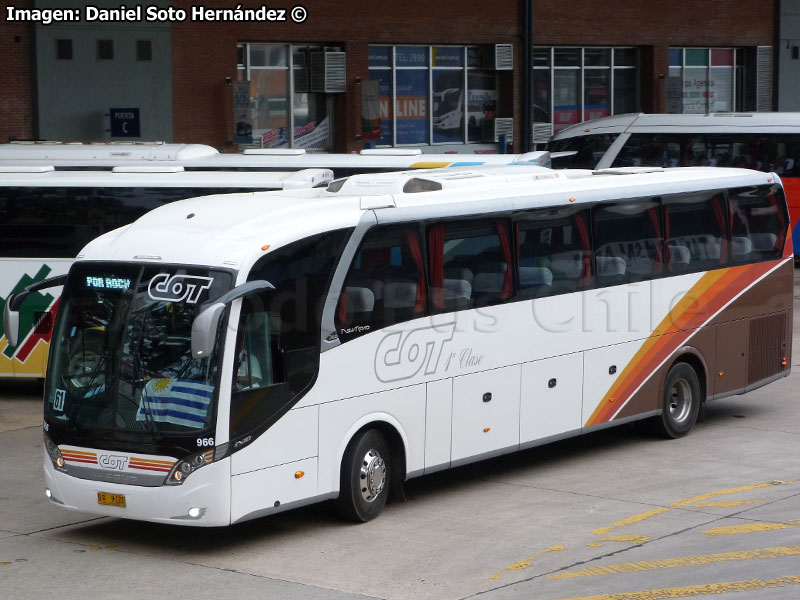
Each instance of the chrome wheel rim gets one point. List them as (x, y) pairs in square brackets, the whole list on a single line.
[(372, 475), (680, 401)]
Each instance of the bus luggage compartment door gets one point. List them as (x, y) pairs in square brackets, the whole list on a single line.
[(485, 412)]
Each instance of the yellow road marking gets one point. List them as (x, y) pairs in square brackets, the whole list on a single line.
[(728, 503), (744, 488), (630, 520), (749, 528), (697, 590), (682, 561), (633, 539), (526, 562)]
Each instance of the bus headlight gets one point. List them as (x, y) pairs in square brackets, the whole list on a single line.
[(54, 453), (183, 468)]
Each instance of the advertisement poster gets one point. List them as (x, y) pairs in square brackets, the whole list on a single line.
[(412, 106), (384, 79), (370, 110), (242, 125), (448, 106)]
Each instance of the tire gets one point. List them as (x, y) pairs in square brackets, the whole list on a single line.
[(680, 402), (365, 477)]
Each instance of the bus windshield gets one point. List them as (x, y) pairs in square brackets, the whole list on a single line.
[(121, 356)]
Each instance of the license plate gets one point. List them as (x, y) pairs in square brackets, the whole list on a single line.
[(111, 499)]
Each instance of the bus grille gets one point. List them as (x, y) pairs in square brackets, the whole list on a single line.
[(767, 346)]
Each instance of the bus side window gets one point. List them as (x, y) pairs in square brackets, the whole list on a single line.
[(697, 234), (758, 224), (470, 264), (554, 251), (385, 284), (628, 242), (650, 150)]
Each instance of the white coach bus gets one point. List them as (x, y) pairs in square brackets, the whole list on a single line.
[(224, 359), (47, 216)]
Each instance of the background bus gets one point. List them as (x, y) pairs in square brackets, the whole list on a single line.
[(47, 216), (764, 141), (199, 157), (398, 324)]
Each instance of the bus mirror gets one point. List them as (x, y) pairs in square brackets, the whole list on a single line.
[(14, 302), (205, 325), (11, 324)]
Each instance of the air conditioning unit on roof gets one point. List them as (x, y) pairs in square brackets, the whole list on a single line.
[(328, 70)]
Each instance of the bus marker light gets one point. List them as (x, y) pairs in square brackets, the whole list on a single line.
[(784, 362), (721, 373), (265, 247), (612, 400), (299, 474), (572, 199), (60, 462), (486, 430)]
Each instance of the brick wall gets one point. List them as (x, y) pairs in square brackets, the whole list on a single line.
[(205, 54), (17, 76)]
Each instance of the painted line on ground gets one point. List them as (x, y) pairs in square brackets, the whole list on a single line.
[(750, 528), (697, 590), (682, 561)]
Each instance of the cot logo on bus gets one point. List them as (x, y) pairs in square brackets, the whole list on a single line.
[(178, 288), (112, 461), (403, 354)]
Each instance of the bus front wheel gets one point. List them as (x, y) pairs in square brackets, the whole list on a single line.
[(680, 403), (365, 477)]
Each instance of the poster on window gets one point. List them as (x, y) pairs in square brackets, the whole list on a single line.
[(411, 109), (370, 109), (384, 79), (242, 124), (448, 106), (695, 91), (481, 101), (313, 135)]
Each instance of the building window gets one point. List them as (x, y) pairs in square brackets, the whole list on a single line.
[(703, 80), (571, 85), (105, 49), (64, 49), (144, 50), (432, 94), (280, 97)]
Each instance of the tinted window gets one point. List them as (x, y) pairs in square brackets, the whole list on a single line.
[(554, 251), (758, 223), (587, 149), (695, 225), (650, 150), (56, 222), (277, 344), (628, 244), (470, 264), (385, 284)]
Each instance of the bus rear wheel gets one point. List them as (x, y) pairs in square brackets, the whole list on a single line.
[(365, 477), (680, 403)]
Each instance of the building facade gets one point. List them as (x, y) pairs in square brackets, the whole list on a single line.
[(411, 74)]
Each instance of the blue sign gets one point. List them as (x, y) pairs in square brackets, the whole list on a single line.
[(125, 122)]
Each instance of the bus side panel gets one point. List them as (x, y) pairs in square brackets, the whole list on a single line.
[(791, 187), (402, 408), (438, 424), (702, 346), (552, 392), (29, 358)]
